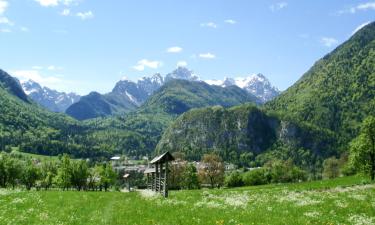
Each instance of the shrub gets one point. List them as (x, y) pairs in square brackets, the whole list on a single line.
[(255, 177), (234, 179), (331, 168)]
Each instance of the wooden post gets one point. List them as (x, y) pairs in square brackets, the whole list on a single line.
[(166, 180), (160, 177), (156, 176), (153, 181)]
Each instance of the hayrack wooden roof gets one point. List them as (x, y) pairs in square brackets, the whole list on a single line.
[(165, 157)]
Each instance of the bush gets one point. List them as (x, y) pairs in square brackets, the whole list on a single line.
[(234, 180), (331, 168), (284, 172), (255, 177)]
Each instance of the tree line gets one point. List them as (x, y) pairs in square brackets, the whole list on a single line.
[(64, 174)]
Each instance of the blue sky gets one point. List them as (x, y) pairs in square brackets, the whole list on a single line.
[(85, 45)]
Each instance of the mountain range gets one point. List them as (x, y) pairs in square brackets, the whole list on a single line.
[(256, 84), (128, 95), (313, 119), (51, 99)]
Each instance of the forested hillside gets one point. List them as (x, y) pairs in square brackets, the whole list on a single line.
[(179, 96), (338, 92), (25, 125), (243, 134)]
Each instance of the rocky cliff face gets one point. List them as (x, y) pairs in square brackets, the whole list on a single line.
[(240, 129)]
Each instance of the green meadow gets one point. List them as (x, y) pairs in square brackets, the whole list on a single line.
[(348, 200)]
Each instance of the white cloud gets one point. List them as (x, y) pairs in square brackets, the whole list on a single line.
[(35, 75), (37, 67), (85, 15), (53, 68), (53, 3), (360, 7), (52, 81), (65, 12), (328, 41), (48, 3), (207, 55), (278, 6), (360, 27), (174, 49), (6, 21), (5, 30), (209, 24), (142, 64), (182, 63), (3, 6), (70, 2), (24, 29), (366, 6), (230, 21)]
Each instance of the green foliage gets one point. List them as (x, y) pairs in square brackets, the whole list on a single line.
[(247, 136), (107, 176), (362, 149), (331, 168), (256, 176), (234, 179), (190, 178), (30, 174), (338, 92), (284, 172), (212, 170)]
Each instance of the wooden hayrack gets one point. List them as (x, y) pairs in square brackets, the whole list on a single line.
[(157, 175)]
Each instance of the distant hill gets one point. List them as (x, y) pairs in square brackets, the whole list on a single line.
[(338, 92), (179, 96), (12, 86)]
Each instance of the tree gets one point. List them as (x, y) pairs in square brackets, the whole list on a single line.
[(48, 173), (212, 170), (13, 171), (177, 169), (30, 174), (362, 148), (190, 177), (63, 178), (331, 168), (107, 176), (79, 174)]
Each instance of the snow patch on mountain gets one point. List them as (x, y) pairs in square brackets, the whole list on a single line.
[(256, 84), (51, 99)]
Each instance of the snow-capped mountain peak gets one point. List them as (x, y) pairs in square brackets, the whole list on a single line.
[(182, 73), (49, 98), (256, 84)]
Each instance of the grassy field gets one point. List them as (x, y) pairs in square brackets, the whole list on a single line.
[(349, 200)]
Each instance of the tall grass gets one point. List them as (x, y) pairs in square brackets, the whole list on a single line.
[(349, 200)]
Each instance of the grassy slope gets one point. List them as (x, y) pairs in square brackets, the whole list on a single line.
[(340, 201)]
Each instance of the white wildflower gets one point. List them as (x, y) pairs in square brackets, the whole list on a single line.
[(361, 220)]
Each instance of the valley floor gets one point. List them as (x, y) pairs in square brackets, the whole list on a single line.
[(349, 200)]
